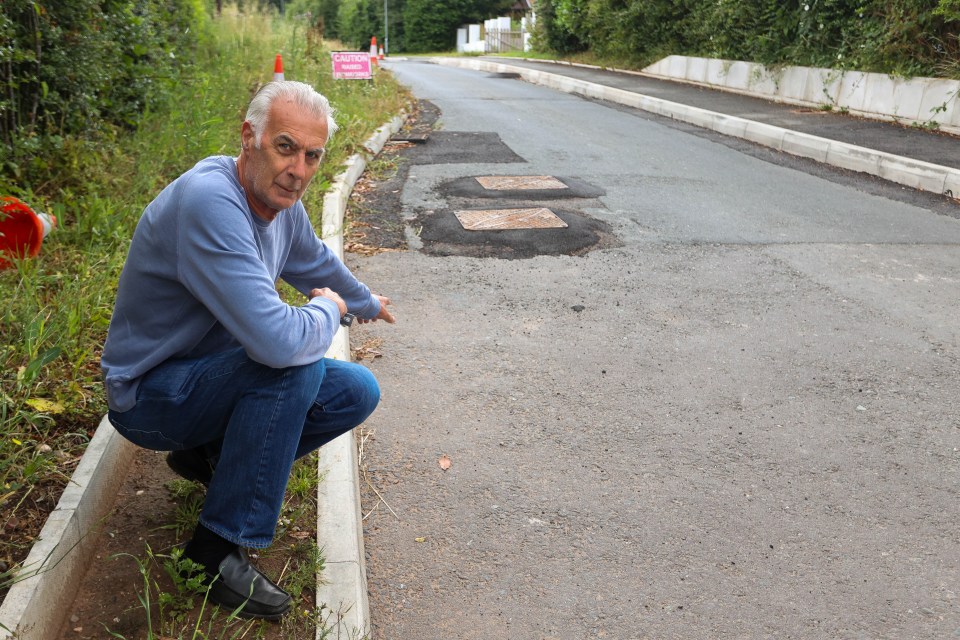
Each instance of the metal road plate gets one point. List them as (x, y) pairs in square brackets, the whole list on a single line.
[(504, 183), (495, 219)]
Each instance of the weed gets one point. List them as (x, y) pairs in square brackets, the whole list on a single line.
[(170, 613), (383, 167), (188, 497)]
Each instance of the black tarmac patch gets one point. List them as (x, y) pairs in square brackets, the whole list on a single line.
[(470, 188), (443, 235), (462, 147)]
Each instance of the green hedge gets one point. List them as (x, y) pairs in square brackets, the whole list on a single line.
[(903, 37), (72, 71)]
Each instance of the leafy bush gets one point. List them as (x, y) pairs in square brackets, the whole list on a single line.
[(903, 37), (74, 70)]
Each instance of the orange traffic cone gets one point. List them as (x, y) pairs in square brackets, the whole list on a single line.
[(278, 68), (21, 230), (381, 53), (373, 51)]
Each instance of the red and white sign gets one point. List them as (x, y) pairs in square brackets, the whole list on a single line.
[(351, 65)]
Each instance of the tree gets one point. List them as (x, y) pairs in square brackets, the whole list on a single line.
[(431, 25)]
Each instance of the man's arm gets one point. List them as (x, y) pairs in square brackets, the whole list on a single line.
[(221, 265), (312, 265)]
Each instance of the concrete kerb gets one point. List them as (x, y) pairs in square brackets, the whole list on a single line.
[(34, 607), (51, 575), (342, 586), (906, 171)]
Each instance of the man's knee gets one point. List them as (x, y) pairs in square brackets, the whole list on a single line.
[(362, 387), (352, 387)]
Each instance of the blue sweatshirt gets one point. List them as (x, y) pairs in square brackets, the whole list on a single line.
[(201, 275)]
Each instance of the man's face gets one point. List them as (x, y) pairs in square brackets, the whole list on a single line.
[(291, 148)]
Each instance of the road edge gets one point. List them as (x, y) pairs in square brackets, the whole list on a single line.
[(33, 608), (342, 584), (917, 174)]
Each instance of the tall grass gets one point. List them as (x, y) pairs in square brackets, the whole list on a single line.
[(56, 307)]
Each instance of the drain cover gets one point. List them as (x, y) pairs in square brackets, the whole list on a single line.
[(493, 219), (504, 183)]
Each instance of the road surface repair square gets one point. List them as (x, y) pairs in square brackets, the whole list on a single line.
[(495, 219), (505, 183)]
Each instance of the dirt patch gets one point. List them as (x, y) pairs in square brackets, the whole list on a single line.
[(26, 504), (144, 523)]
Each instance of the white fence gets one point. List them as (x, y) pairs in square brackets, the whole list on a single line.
[(495, 35)]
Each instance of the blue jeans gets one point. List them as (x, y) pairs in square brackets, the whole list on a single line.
[(261, 419)]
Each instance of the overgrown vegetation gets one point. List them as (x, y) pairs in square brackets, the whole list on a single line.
[(96, 180), (77, 72), (902, 37)]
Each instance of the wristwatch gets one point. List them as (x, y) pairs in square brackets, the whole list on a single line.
[(347, 319)]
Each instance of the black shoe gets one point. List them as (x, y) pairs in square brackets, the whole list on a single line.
[(240, 583), (191, 464)]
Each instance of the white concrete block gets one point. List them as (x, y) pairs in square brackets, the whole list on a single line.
[(696, 69), (676, 67), (29, 609), (34, 607), (765, 134), (823, 86), (937, 94), (878, 94), (716, 72), (853, 87), (907, 98), (854, 158), (804, 145), (913, 173), (344, 614), (793, 84), (657, 68), (503, 23), (952, 115), (951, 184), (729, 125), (761, 80), (737, 75), (473, 33)]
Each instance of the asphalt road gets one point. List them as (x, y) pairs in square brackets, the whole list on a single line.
[(731, 413)]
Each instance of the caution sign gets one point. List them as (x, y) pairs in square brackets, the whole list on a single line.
[(351, 65)]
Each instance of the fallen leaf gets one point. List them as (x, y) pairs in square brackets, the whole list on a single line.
[(444, 462), (300, 535), (45, 406)]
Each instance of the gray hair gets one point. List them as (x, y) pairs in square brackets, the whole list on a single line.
[(302, 94)]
